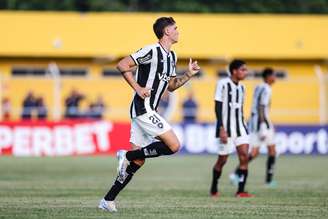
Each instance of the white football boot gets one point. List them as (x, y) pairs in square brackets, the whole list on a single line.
[(234, 179), (107, 205)]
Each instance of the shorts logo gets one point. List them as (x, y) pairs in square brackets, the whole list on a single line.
[(156, 121)]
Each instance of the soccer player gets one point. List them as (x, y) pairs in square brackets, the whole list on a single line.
[(231, 129), (260, 127), (151, 136)]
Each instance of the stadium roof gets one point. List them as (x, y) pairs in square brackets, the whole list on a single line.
[(92, 35)]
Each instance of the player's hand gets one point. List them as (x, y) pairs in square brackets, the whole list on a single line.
[(223, 136), (143, 92), (193, 68)]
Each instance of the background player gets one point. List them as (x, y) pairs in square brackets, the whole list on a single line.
[(151, 135), (260, 126), (231, 129)]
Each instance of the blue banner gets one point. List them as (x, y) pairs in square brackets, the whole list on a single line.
[(290, 139)]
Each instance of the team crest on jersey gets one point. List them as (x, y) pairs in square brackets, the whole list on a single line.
[(164, 77)]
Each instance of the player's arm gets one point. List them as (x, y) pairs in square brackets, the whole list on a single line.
[(261, 113), (218, 112), (219, 98), (177, 82), (126, 67), (264, 101)]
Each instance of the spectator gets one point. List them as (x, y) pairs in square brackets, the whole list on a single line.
[(97, 109), (6, 108), (163, 103), (41, 110), (28, 106), (166, 105), (72, 105), (190, 107)]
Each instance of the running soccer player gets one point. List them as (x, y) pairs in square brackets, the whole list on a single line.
[(260, 126), (231, 129), (151, 136)]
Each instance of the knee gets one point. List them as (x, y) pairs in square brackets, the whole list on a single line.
[(139, 162), (243, 158), (272, 151), (220, 163), (175, 147), (255, 154)]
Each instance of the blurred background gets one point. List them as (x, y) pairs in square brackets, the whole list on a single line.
[(59, 87)]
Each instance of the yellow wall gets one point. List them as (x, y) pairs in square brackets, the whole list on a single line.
[(295, 99), (201, 35), (292, 43)]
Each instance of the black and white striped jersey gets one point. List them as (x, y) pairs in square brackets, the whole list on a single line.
[(155, 69), (261, 96), (232, 97)]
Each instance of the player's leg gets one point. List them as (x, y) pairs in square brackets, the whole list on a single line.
[(255, 141), (251, 156), (224, 151), (122, 180), (168, 144), (242, 171), (255, 151), (270, 163), (137, 138), (217, 171)]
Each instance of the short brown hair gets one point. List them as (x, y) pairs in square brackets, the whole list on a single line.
[(235, 64), (160, 24)]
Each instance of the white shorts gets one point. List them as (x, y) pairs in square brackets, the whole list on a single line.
[(145, 128), (228, 148), (255, 138)]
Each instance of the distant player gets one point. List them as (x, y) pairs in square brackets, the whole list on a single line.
[(151, 136), (231, 129), (261, 127)]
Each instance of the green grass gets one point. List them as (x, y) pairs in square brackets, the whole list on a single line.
[(166, 187)]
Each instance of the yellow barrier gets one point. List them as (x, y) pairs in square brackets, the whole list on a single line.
[(55, 34), (295, 101)]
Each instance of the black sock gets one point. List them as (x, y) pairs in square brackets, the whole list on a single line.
[(215, 179), (155, 149), (270, 168), (120, 183), (250, 157), (242, 175)]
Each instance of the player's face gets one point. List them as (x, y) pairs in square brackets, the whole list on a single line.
[(272, 79), (241, 72), (173, 33)]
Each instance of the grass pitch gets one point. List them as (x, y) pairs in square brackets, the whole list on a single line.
[(166, 187)]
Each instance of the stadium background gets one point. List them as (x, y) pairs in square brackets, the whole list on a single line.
[(92, 43), (85, 38)]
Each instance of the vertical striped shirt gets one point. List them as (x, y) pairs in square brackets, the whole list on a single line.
[(232, 97), (261, 97), (155, 67)]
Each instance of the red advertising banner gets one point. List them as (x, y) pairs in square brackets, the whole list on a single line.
[(63, 138), (87, 137)]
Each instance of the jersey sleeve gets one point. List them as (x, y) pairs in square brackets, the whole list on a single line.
[(143, 56), (265, 98), (219, 92)]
